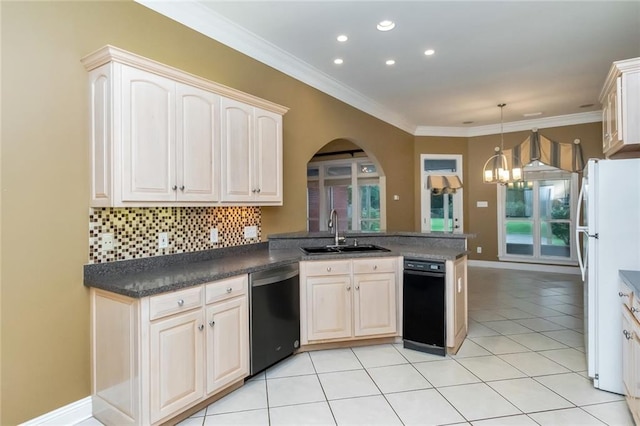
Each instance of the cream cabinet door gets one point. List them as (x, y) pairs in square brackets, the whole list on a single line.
[(176, 363), (197, 144), (328, 307), (227, 343), (374, 304), (268, 156), (237, 156), (456, 303), (148, 136)]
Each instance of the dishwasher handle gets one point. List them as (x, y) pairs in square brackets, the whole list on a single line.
[(424, 273), (272, 276)]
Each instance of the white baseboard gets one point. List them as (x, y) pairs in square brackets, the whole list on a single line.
[(573, 270), (71, 414)]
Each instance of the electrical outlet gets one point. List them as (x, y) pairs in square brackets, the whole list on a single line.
[(107, 241), (163, 240), (478, 249), (213, 236), (250, 232)]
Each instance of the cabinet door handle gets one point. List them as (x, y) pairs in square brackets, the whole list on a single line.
[(180, 302), (229, 289), (201, 327), (182, 188), (212, 323), (621, 294), (174, 187)]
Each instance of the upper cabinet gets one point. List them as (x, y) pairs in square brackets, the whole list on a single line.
[(160, 136), (251, 154), (620, 98)]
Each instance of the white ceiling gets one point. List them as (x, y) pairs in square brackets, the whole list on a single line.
[(549, 57)]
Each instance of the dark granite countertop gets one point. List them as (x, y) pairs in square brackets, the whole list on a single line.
[(632, 279), (146, 277)]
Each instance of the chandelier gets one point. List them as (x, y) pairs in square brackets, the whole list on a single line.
[(496, 169)]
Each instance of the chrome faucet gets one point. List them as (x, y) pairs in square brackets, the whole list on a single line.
[(333, 225)]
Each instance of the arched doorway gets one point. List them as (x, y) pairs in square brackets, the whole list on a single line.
[(342, 176)]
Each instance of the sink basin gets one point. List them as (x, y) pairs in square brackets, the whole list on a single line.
[(363, 248)]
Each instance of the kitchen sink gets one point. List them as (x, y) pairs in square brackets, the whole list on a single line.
[(362, 248)]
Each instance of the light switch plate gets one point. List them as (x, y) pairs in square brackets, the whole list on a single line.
[(163, 240), (482, 204), (250, 232), (213, 236)]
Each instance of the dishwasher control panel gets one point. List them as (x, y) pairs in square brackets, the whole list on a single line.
[(424, 265)]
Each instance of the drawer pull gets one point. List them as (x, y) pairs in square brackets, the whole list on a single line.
[(201, 327), (329, 269), (212, 323), (180, 302), (634, 309), (621, 294), (229, 289)]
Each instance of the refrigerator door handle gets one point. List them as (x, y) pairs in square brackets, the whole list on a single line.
[(579, 229)]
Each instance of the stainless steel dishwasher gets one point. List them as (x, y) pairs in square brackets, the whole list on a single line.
[(274, 315), (423, 308)]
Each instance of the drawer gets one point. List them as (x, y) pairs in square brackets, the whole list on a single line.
[(329, 267), (375, 264), (635, 307), (171, 303), (626, 294), (226, 289)]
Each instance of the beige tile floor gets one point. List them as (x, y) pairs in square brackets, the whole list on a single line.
[(523, 363)]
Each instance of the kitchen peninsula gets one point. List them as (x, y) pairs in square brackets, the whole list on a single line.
[(144, 308)]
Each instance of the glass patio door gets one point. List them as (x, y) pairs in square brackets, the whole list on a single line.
[(441, 212)]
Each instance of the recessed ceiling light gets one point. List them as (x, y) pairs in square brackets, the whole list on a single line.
[(429, 52), (342, 38), (390, 62), (532, 114), (338, 61), (386, 25), (586, 106)]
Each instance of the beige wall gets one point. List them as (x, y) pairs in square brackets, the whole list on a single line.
[(44, 306)]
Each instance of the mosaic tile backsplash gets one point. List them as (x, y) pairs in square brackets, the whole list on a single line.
[(135, 230)]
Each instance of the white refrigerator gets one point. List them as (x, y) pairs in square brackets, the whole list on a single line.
[(609, 222)]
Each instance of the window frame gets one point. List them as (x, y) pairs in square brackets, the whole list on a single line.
[(544, 172), (355, 177)]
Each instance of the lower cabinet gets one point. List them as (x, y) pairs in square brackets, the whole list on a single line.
[(348, 299), (157, 356), (631, 350), (456, 303)]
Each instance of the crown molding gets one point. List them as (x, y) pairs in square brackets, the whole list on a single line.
[(198, 17), (514, 126)]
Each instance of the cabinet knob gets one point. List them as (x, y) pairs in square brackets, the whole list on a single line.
[(621, 294), (174, 187), (348, 288), (258, 190), (212, 323), (229, 289), (180, 302), (182, 188), (375, 267), (201, 327), (253, 190), (329, 269), (627, 335), (634, 310), (357, 287)]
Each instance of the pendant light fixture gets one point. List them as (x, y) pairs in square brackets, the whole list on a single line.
[(496, 169)]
